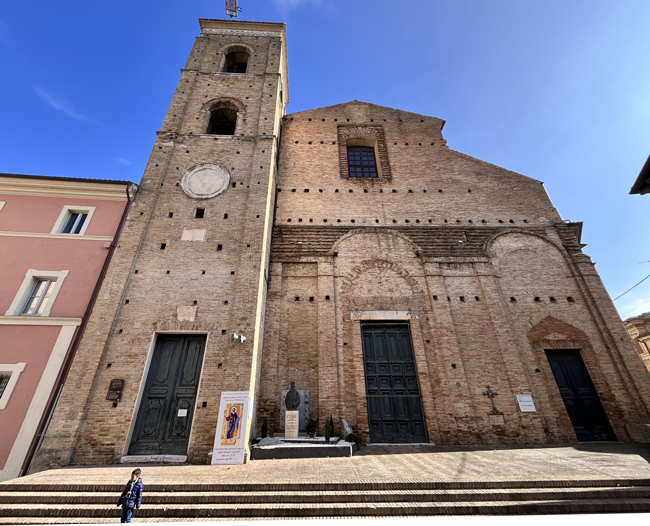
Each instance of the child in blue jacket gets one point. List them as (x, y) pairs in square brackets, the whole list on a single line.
[(131, 496)]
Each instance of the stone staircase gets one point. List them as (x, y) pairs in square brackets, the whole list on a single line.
[(41, 503)]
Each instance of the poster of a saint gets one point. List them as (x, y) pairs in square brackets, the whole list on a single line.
[(231, 429)]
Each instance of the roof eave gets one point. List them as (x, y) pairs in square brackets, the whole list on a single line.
[(642, 183)]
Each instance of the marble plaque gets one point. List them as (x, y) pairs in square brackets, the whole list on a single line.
[(526, 404), (205, 181), (291, 424), (303, 408), (496, 420)]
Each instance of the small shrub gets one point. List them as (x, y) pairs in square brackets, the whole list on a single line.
[(311, 427), (328, 429), (354, 438)]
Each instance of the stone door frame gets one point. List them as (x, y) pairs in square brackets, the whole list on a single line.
[(426, 392), (143, 381)]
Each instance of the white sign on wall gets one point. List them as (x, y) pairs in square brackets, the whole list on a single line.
[(231, 428), (526, 404)]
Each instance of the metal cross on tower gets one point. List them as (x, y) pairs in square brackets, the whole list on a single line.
[(491, 394), (232, 9)]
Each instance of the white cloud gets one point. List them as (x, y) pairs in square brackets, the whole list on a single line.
[(61, 104), (122, 160)]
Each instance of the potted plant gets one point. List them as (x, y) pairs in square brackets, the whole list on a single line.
[(311, 427)]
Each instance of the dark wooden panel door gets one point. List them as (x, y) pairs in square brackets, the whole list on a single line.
[(395, 412), (587, 415), (165, 416)]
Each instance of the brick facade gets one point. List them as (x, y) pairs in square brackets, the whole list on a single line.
[(473, 256), (480, 314)]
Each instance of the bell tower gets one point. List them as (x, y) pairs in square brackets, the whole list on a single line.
[(191, 269)]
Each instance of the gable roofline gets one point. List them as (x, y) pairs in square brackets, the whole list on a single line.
[(642, 184), (356, 101)]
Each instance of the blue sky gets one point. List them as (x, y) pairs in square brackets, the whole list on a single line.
[(557, 90)]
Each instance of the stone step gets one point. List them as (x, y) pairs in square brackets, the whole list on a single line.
[(270, 497), (306, 510), (327, 486)]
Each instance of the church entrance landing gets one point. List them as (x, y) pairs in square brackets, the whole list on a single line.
[(395, 413), (165, 416)]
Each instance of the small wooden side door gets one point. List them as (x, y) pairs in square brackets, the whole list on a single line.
[(580, 398)]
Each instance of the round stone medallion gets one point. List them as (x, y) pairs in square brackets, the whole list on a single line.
[(205, 181)]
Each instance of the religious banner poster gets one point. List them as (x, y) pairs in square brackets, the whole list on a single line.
[(231, 428)]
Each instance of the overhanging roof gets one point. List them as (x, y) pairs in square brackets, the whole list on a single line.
[(642, 184)]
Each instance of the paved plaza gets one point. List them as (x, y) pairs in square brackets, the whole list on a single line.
[(392, 463)]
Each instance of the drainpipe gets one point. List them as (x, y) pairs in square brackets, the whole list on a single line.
[(37, 440)]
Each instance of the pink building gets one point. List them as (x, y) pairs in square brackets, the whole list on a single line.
[(57, 236)]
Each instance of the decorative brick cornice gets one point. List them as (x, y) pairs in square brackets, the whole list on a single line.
[(241, 32)]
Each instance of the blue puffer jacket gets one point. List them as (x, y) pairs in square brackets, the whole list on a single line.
[(132, 495)]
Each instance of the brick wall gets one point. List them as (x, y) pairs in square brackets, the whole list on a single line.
[(480, 314), (221, 276)]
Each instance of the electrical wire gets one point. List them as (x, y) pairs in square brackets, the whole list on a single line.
[(639, 283)]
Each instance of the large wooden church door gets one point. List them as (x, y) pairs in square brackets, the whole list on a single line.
[(587, 415), (395, 412), (165, 417)]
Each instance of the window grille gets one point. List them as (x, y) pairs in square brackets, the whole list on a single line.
[(75, 223), (39, 297), (361, 161), (4, 380)]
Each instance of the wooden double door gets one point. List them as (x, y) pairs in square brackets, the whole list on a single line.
[(166, 411), (580, 398), (395, 413)]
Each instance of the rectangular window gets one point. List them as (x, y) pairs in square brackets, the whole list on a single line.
[(74, 220), (39, 297), (361, 161), (75, 223), (9, 374)]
